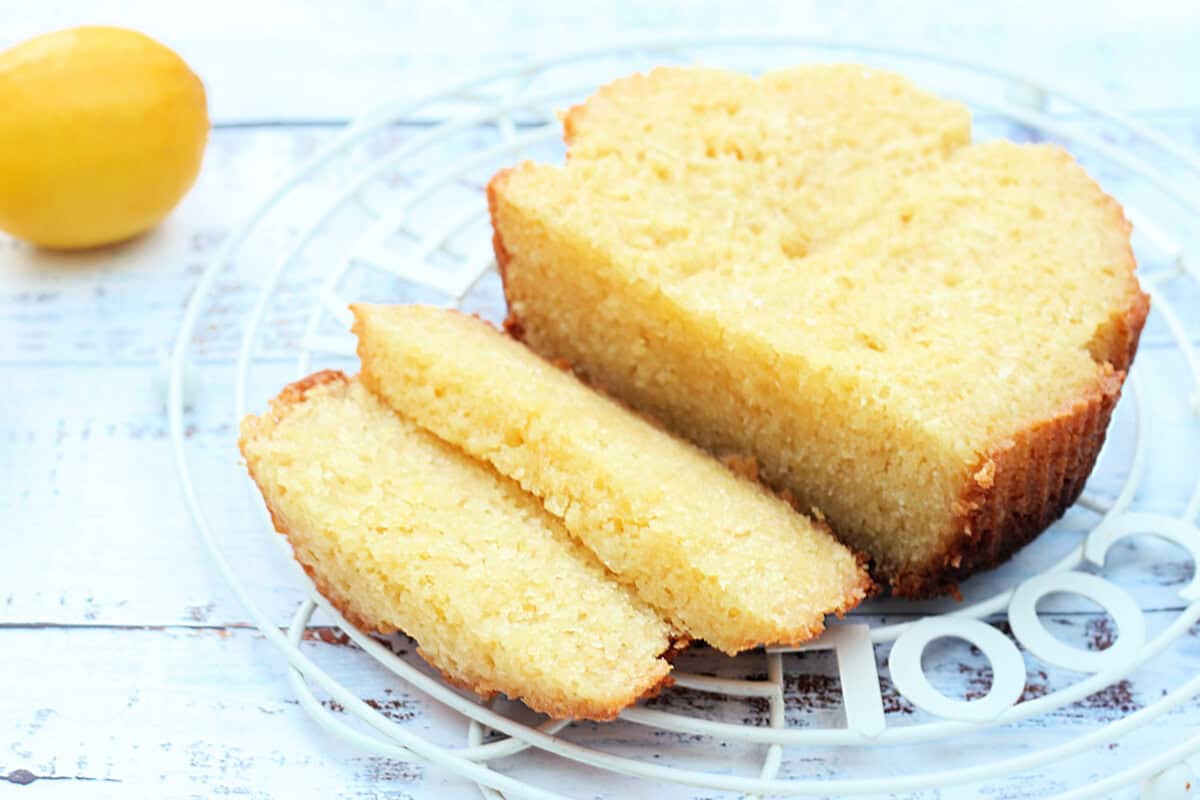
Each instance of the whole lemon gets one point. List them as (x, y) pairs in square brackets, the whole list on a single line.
[(102, 131)]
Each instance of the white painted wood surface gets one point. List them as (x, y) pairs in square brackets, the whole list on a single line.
[(126, 666)]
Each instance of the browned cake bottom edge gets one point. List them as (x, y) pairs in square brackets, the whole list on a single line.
[(1027, 481), (1017, 491), (1018, 488)]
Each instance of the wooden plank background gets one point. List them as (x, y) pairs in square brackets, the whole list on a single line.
[(127, 666)]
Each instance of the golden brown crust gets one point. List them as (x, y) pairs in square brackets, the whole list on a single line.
[(1117, 341), (512, 325), (1025, 482), (294, 394), (1021, 484), (551, 708), (1016, 491)]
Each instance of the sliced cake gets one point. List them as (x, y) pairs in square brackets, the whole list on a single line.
[(920, 338), (723, 559), (402, 532)]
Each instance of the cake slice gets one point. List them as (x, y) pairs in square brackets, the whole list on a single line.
[(918, 337), (722, 558), (402, 532)]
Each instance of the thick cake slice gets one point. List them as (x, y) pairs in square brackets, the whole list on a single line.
[(919, 337), (722, 558), (402, 532)]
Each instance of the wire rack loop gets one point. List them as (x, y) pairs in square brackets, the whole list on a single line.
[(508, 115)]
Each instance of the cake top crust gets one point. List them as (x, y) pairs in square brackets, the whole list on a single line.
[(840, 218)]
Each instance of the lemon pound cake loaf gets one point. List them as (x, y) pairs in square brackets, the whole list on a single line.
[(722, 558), (920, 337), (402, 532)]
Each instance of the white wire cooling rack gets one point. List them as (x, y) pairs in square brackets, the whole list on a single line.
[(393, 210)]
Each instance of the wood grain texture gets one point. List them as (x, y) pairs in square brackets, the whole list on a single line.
[(128, 667), (177, 711), (319, 61)]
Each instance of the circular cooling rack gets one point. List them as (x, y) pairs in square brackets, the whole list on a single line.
[(1048, 676)]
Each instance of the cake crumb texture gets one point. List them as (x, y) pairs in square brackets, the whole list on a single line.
[(919, 336), (721, 557), (402, 532)]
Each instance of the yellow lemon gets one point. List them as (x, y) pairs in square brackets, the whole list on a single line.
[(101, 133)]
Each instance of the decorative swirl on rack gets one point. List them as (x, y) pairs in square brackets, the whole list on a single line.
[(1184, 534)]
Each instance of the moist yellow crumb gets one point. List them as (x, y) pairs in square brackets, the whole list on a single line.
[(725, 560), (402, 532), (920, 336)]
